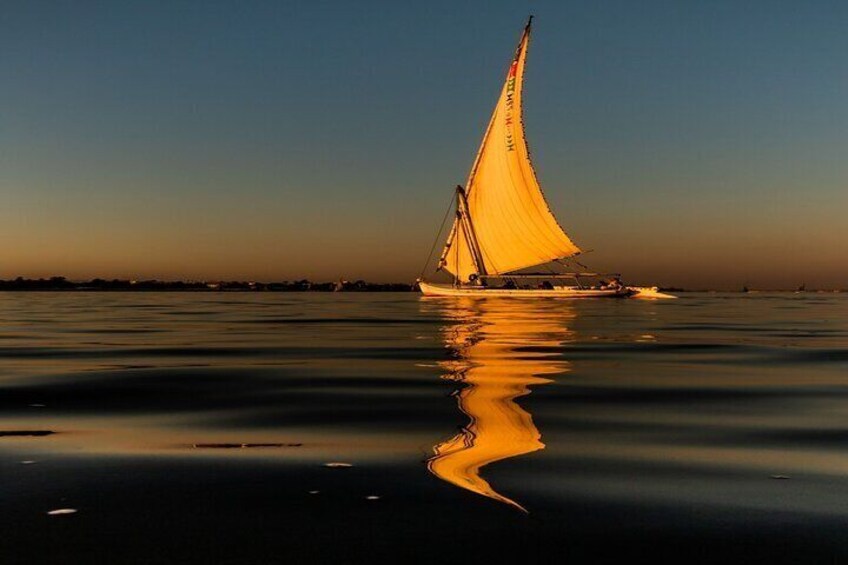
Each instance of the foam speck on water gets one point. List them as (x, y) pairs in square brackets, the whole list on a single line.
[(62, 511)]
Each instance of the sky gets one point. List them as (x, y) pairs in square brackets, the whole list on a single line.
[(695, 144)]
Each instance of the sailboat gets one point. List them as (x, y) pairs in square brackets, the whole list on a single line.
[(503, 225)]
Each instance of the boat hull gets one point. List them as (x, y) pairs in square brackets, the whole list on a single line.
[(430, 289)]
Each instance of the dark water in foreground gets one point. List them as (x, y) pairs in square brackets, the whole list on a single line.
[(711, 427)]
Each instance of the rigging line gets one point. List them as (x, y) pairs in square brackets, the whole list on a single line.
[(438, 236)]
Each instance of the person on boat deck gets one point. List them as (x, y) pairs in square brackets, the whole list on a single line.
[(546, 285), (509, 284), (611, 284)]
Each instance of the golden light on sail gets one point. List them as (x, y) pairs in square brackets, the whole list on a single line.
[(485, 339), (509, 217)]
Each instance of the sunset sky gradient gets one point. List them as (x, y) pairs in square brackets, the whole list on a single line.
[(697, 144)]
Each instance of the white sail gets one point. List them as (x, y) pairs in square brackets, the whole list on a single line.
[(507, 214)]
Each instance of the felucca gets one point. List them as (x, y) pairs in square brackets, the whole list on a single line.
[(503, 224)]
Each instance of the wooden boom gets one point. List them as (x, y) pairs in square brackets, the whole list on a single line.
[(549, 275)]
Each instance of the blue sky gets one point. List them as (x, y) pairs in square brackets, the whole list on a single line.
[(686, 143)]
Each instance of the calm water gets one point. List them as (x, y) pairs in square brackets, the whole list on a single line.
[(708, 427)]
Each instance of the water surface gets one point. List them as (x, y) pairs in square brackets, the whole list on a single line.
[(708, 427)]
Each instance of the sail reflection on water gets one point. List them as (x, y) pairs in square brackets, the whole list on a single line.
[(501, 348)]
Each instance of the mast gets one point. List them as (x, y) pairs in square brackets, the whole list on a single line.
[(468, 229)]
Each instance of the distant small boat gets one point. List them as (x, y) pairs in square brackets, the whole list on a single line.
[(503, 224)]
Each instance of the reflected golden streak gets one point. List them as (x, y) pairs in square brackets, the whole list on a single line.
[(486, 339)]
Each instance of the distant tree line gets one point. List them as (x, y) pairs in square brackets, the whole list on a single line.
[(303, 285)]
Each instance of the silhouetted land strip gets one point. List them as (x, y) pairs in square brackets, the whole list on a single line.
[(303, 285)]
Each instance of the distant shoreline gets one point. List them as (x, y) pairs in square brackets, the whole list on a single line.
[(54, 284), (61, 284)]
